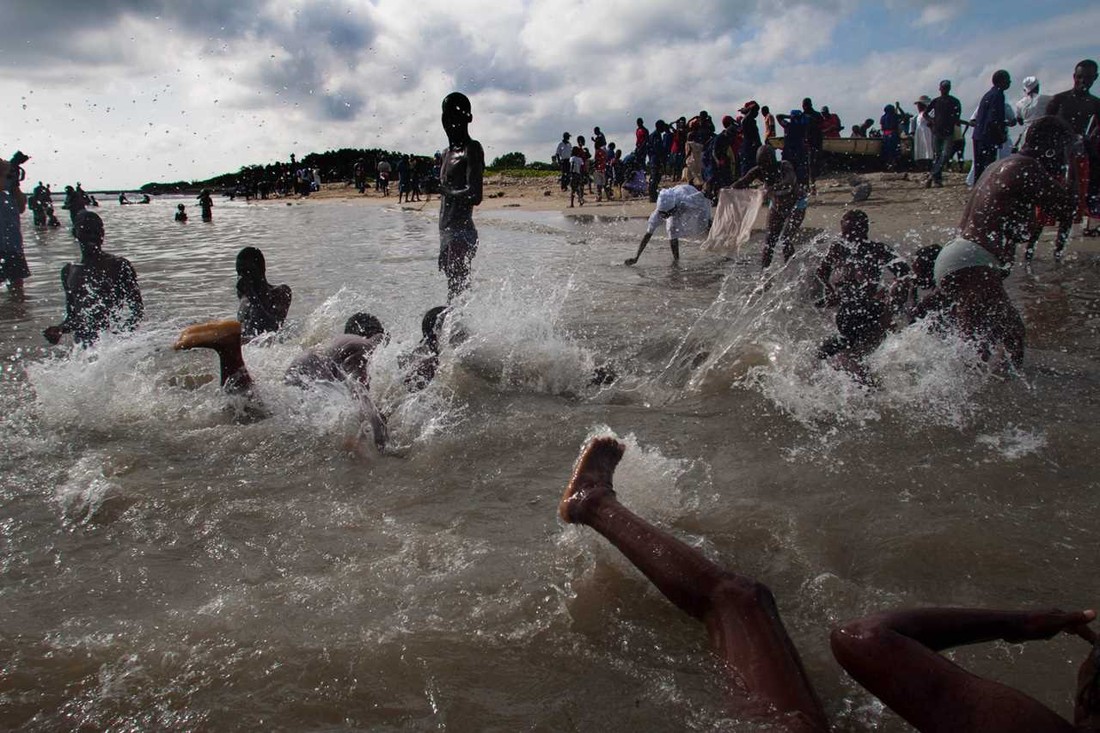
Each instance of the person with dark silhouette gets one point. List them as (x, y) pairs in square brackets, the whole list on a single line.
[(101, 291), (262, 306), (461, 174)]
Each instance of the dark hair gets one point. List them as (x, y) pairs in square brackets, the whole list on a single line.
[(250, 261), (640, 121), (807, 102), (459, 101), (363, 324), (764, 110), (88, 223), (1000, 77), (1088, 64), (432, 321)]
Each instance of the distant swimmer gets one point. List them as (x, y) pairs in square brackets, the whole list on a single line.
[(344, 359), (787, 197), (263, 307), (101, 291), (686, 213), (206, 203), (999, 215), (181, 212), (460, 190), (422, 362), (894, 655)]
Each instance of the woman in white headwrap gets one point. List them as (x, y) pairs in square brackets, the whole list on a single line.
[(1031, 106), (922, 131)]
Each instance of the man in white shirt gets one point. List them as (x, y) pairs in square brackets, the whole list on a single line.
[(685, 212), (561, 157)]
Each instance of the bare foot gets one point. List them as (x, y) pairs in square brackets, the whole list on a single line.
[(213, 335), (591, 478)]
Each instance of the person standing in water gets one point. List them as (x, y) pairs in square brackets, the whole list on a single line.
[(460, 189), (13, 202), (206, 204), (894, 655), (101, 291), (787, 200)]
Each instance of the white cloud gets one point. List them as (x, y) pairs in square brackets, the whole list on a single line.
[(937, 14), (135, 97)]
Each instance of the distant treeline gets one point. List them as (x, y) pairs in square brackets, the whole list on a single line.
[(335, 165)]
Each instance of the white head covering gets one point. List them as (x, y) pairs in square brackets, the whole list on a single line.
[(1031, 83)]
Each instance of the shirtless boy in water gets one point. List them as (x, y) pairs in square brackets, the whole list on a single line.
[(787, 201), (894, 655), (345, 358), (1000, 214)]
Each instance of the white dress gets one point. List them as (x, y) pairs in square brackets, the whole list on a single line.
[(922, 138), (687, 210)]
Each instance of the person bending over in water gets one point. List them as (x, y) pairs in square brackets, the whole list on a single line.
[(685, 212), (787, 200), (263, 307), (460, 190), (101, 291), (998, 216), (894, 655), (345, 358), (422, 362)]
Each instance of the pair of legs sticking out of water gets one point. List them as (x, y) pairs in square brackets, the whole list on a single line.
[(894, 654)]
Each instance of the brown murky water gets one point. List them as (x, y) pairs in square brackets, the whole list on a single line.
[(164, 567)]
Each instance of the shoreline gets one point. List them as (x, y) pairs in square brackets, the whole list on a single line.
[(902, 212)]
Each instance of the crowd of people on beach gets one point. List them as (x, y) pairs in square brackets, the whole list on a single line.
[(1052, 177)]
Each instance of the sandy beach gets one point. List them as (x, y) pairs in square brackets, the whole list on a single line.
[(901, 210)]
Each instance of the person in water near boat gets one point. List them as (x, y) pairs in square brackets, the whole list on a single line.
[(181, 212), (787, 197), (999, 215), (344, 359), (686, 213), (262, 307), (101, 291), (460, 190), (894, 655)]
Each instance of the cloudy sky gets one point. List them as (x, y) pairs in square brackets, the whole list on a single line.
[(117, 93)]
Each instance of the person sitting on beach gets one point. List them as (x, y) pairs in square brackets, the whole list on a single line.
[(344, 359), (894, 655), (181, 212), (787, 200), (422, 362), (101, 292), (685, 212), (263, 307), (855, 242), (998, 216)]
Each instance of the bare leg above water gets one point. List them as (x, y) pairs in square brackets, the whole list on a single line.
[(738, 612), (224, 337), (895, 656)]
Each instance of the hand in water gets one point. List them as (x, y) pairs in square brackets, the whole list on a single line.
[(631, 261), (52, 334)]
